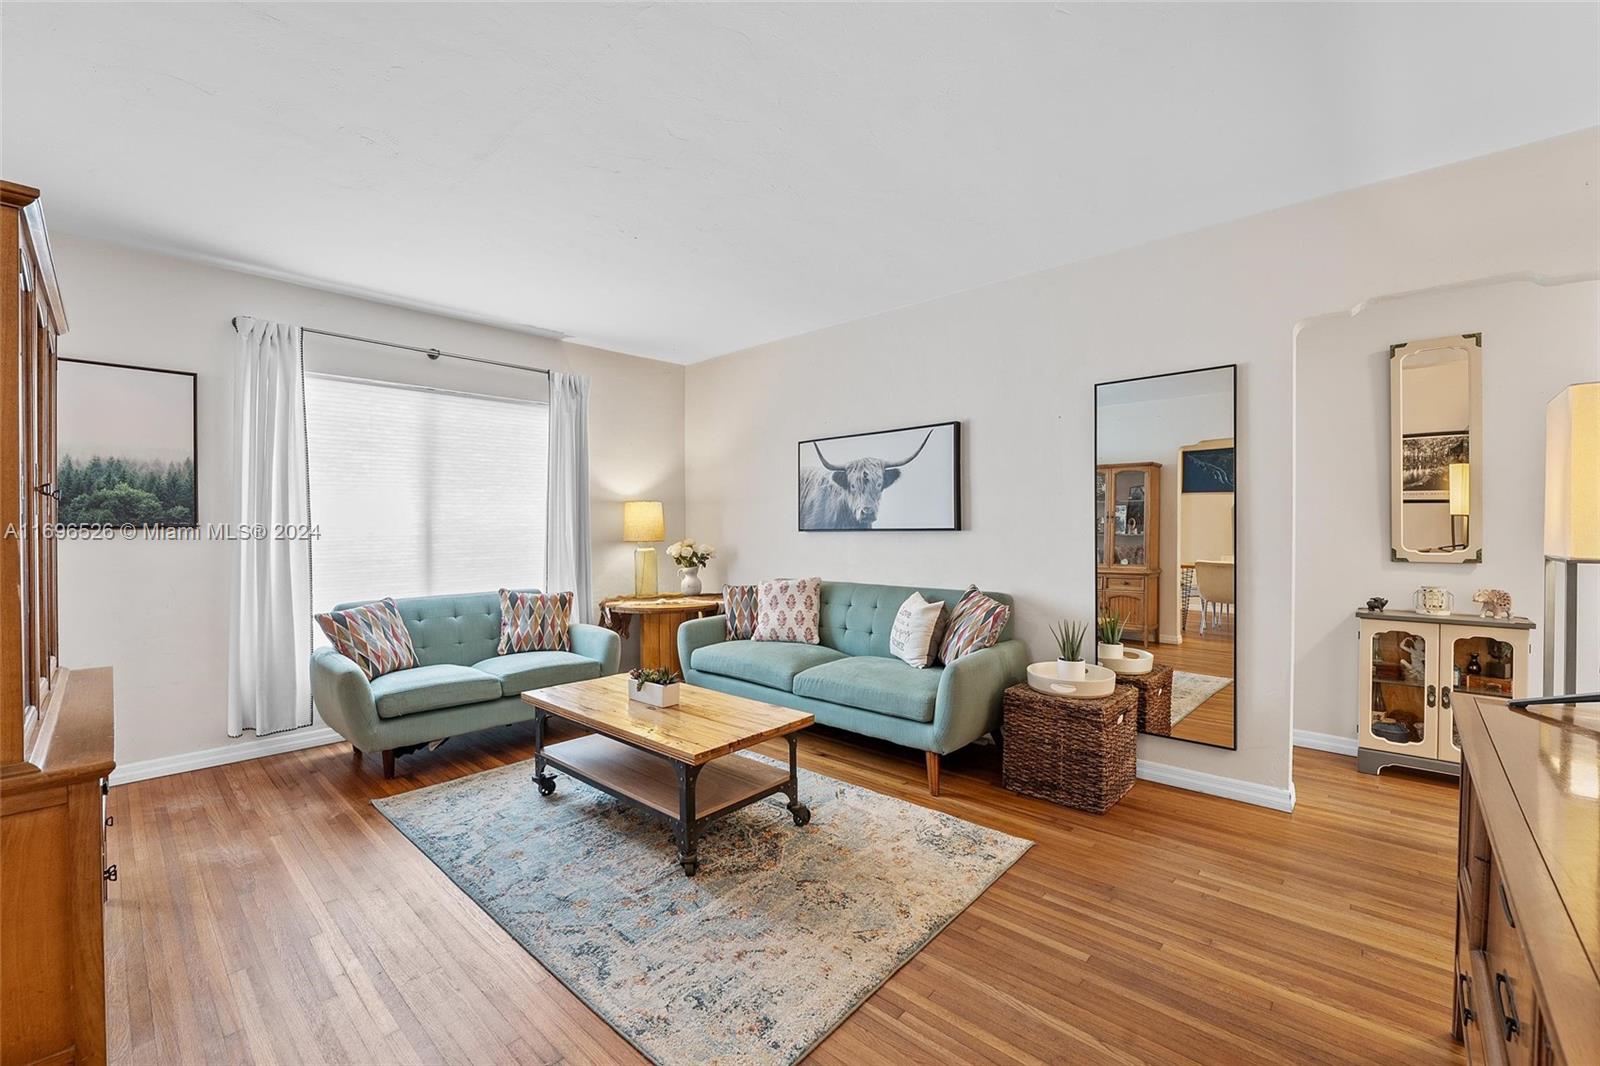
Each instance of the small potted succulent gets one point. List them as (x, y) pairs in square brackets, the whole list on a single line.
[(656, 686), (1111, 626), (1070, 664), (689, 557)]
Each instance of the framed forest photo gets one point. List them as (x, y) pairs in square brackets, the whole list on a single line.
[(126, 442)]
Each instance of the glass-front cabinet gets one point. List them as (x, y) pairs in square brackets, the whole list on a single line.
[(1127, 550), (1412, 667)]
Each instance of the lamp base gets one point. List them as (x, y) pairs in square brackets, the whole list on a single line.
[(644, 571)]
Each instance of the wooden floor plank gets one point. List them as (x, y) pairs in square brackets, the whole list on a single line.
[(267, 913)]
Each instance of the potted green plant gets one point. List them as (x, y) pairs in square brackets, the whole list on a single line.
[(689, 557), (1070, 664), (1111, 626), (656, 686)]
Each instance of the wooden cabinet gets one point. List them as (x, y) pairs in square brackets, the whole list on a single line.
[(55, 724), (1527, 959), (1413, 670), (1127, 499)]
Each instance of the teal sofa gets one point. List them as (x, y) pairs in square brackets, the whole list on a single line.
[(850, 681), (460, 683)]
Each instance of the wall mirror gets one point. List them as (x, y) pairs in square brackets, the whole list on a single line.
[(1435, 450), (1166, 546)]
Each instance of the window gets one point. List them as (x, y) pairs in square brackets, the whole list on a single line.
[(417, 491)]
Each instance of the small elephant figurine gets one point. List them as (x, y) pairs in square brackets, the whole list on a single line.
[(1377, 603), (1496, 602)]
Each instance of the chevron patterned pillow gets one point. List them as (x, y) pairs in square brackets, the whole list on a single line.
[(975, 624), (373, 636), (535, 621)]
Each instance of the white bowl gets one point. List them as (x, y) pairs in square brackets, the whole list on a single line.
[(1100, 682), (1133, 661)]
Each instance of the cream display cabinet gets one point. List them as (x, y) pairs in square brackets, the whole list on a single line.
[(1412, 667)]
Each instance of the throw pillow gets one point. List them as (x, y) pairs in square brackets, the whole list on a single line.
[(740, 605), (911, 639), (535, 621), (789, 610), (975, 624), (373, 636)]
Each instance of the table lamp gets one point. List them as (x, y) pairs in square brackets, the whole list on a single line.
[(643, 523), (1571, 526), (1460, 503)]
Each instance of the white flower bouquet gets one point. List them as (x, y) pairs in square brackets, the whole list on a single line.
[(686, 553)]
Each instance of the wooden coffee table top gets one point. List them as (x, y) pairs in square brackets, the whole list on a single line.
[(705, 725)]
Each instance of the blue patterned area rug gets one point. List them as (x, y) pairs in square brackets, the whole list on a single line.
[(781, 935)]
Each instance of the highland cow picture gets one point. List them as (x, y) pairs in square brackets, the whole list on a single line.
[(125, 445), (897, 479)]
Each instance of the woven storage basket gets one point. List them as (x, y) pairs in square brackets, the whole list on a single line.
[(1079, 753), (1155, 699)]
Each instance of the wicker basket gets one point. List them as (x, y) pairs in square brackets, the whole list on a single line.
[(1155, 699), (1079, 753)]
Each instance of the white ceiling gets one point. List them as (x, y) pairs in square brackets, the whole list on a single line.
[(686, 180)]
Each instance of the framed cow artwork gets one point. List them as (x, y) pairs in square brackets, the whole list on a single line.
[(892, 479)]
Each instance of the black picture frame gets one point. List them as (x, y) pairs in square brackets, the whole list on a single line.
[(1198, 476), (64, 481), (955, 481)]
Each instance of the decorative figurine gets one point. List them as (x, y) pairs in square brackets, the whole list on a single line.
[(1496, 602), (1377, 603)]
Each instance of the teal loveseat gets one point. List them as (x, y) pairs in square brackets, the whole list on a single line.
[(461, 684), (850, 681)]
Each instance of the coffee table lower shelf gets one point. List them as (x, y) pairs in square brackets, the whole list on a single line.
[(683, 795)]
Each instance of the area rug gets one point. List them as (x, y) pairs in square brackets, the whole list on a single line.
[(1191, 690), (778, 938)]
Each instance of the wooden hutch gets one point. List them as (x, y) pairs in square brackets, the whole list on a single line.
[(1127, 552), (55, 724)]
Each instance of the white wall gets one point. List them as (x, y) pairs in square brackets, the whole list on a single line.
[(1016, 363), (157, 612), (1537, 340), (1154, 431)]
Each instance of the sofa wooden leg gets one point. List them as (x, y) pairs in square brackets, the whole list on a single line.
[(355, 755), (933, 773), (388, 763)]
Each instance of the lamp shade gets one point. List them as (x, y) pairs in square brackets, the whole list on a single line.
[(643, 521), (1460, 488), (1572, 474)]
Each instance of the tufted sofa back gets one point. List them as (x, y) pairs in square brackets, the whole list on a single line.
[(460, 629), (856, 619)]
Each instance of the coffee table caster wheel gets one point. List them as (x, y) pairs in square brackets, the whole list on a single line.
[(690, 866), (802, 814), (546, 783)]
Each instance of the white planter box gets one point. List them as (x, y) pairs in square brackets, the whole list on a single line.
[(653, 694)]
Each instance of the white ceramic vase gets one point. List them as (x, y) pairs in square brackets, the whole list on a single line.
[(1072, 669), (690, 585)]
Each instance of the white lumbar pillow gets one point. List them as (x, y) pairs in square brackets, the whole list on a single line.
[(915, 626)]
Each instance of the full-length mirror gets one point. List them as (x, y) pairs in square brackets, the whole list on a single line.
[(1166, 548), (1435, 450)]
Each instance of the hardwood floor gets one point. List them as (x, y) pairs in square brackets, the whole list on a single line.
[(267, 913)]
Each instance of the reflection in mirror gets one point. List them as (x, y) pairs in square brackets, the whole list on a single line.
[(1435, 474), (1166, 548)]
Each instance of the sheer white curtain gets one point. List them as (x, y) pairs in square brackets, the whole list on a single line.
[(269, 686), (567, 563)]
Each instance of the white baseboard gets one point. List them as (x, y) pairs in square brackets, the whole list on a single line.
[(1325, 742), (1278, 799), (276, 744)]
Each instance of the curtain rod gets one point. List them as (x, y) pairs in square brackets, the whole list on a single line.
[(431, 353)]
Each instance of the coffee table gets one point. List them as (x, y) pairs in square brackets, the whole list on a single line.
[(677, 764)]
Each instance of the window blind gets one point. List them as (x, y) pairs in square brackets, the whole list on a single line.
[(420, 491)]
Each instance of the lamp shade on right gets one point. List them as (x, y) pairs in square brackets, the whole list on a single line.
[(1572, 474)]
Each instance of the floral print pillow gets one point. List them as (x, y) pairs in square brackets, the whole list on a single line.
[(789, 609)]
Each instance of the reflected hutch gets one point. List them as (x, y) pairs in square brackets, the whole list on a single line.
[(1127, 547)]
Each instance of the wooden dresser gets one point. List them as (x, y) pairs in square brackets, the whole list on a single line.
[(55, 724), (1528, 907)]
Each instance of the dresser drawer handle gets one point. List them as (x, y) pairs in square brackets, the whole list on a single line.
[(1468, 1015), (1513, 1024), (111, 872), (1505, 905)]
